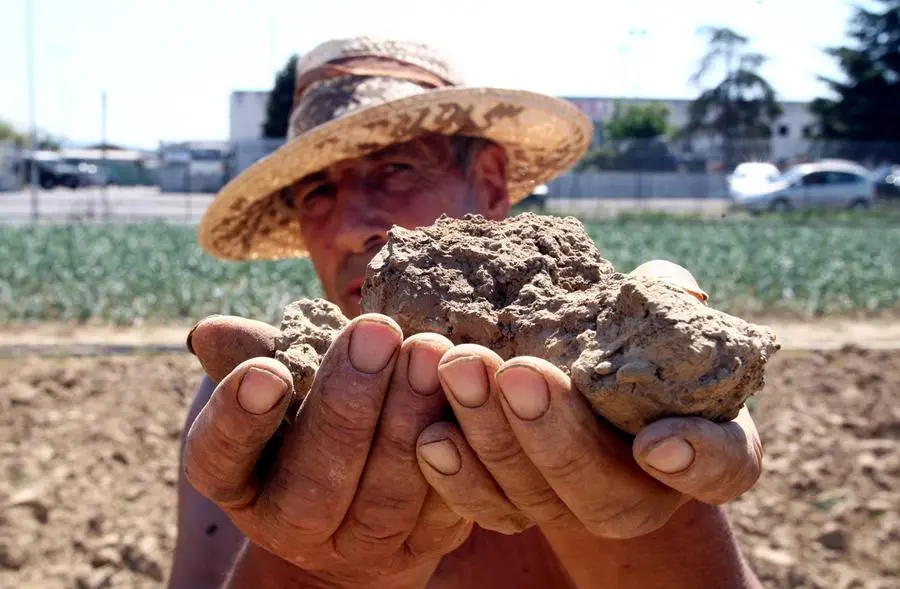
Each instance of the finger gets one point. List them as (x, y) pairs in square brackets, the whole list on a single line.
[(224, 445), (466, 374), (589, 466), (322, 457), (439, 529), (222, 342), (711, 462), (392, 489), (672, 274), (453, 469)]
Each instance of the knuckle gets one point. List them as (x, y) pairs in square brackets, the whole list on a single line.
[(533, 497), (725, 477), (397, 443), (624, 520), (556, 516), (564, 463), (211, 466), (382, 517), (374, 533), (754, 465), (219, 489), (543, 505), (298, 524), (495, 448), (343, 422), (509, 523), (437, 540)]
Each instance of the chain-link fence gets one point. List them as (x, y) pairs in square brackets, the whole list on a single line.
[(177, 181)]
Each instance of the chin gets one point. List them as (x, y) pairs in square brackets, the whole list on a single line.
[(351, 306)]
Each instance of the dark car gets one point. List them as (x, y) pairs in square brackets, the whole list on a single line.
[(50, 174), (887, 182)]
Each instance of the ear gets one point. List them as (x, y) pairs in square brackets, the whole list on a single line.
[(489, 182)]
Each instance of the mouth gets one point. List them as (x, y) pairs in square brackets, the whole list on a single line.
[(354, 290)]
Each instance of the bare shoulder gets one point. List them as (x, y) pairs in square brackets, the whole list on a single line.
[(207, 540)]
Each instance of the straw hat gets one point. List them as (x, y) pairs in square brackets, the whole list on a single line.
[(355, 96)]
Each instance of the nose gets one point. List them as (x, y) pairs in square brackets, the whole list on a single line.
[(361, 225)]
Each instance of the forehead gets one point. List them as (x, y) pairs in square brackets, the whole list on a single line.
[(430, 148)]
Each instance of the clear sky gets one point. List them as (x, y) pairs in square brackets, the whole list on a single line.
[(168, 66)]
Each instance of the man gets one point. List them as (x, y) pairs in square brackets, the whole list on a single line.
[(369, 484)]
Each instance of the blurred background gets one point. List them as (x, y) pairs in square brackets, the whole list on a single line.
[(755, 142)]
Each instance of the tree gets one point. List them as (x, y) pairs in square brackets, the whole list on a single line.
[(864, 116), (44, 141), (634, 133), (742, 105), (281, 98), (636, 121), (11, 134)]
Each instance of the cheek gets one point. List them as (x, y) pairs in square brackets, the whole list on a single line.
[(424, 207), (323, 258)]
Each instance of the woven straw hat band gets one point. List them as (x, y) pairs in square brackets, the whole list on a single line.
[(368, 65)]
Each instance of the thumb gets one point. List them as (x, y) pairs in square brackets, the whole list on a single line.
[(711, 462), (673, 274), (222, 342)]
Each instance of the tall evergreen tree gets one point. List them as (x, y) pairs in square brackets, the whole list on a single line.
[(864, 114), (278, 107)]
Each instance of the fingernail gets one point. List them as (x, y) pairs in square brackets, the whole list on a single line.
[(421, 372), (187, 340), (372, 345), (442, 456), (190, 335), (260, 391), (671, 455), (466, 380), (525, 390)]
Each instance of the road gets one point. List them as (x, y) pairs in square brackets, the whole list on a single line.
[(148, 203), (97, 204)]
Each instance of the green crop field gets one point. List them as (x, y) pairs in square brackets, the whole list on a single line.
[(156, 273)]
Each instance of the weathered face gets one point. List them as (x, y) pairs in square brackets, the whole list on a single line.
[(346, 211)]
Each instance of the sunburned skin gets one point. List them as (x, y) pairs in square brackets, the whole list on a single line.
[(636, 347)]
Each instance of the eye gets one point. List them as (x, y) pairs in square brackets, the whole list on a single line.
[(315, 201), (395, 168), (395, 177)]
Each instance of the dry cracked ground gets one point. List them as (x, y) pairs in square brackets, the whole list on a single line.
[(88, 467)]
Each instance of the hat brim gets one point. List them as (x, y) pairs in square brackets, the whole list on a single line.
[(543, 136)]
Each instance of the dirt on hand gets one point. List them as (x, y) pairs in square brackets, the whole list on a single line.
[(89, 465), (636, 347)]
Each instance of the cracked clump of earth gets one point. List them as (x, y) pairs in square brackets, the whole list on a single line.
[(638, 348)]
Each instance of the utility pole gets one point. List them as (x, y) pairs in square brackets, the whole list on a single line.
[(105, 163), (32, 122)]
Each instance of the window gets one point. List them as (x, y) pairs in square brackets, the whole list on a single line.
[(816, 179), (843, 178), (783, 130)]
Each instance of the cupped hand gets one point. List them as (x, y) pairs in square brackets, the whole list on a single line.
[(526, 449), (334, 489)]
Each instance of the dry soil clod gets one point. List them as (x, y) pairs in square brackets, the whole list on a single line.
[(636, 347)]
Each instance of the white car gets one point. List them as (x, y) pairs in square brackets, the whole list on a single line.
[(821, 185), (750, 174)]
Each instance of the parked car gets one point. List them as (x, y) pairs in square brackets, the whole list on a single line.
[(50, 173), (887, 182), (538, 197), (750, 174), (820, 185), (90, 174)]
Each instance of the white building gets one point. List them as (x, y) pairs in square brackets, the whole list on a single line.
[(788, 135), (247, 112), (248, 108)]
